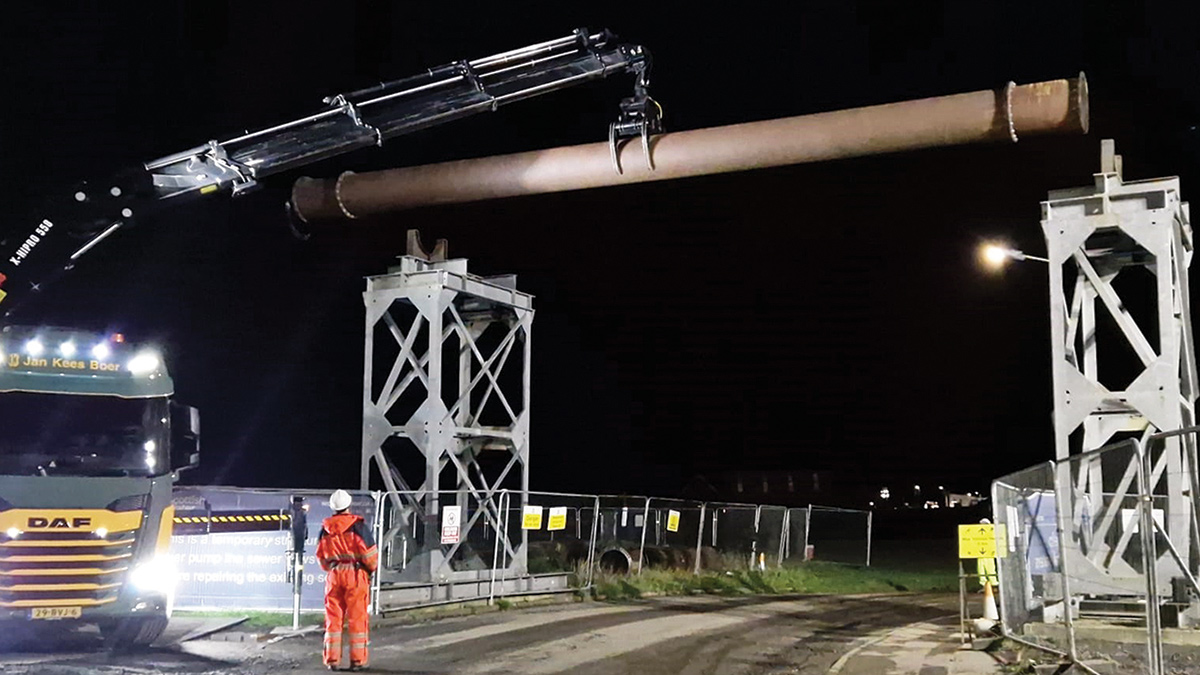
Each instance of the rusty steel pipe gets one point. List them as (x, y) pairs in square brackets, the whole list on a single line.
[(1010, 113)]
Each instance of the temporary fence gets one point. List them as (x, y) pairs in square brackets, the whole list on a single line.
[(462, 545), (839, 535), (1104, 535), (250, 569)]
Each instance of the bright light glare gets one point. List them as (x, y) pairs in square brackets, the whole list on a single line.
[(151, 462), (13, 533), (101, 351), (67, 349), (34, 347), (150, 446), (156, 575), (143, 363), (995, 255), (101, 532)]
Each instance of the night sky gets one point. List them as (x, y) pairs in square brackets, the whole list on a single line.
[(829, 316)]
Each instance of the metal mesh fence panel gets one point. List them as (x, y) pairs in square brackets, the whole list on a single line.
[(673, 534), (797, 536), (558, 531), (622, 522), (732, 536), (771, 523), (1105, 558), (839, 535), (427, 536), (1028, 563)]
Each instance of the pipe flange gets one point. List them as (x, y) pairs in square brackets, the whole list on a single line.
[(1008, 109), (337, 188)]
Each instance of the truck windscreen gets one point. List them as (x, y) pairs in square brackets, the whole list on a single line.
[(78, 435)]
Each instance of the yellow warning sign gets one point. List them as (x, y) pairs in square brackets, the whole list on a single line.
[(558, 518), (672, 521), (979, 540), (532, 519)]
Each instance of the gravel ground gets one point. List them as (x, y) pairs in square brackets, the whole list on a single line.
[(711, 635)]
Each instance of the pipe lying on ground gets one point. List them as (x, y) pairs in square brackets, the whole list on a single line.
[(1010, 113)]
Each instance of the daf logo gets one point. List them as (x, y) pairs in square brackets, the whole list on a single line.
[(44, 523)]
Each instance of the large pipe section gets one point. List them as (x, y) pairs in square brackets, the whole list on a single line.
[(1010, 113)]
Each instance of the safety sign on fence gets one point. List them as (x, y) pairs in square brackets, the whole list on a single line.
[(451, 523), (978, 541), (672, 521), (532, 519), (558, 518)]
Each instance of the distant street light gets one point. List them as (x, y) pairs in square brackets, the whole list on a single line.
[(995, 255)]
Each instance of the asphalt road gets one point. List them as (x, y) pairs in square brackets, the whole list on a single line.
[(692, 635)]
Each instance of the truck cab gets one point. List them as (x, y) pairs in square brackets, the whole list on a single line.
[(91, 445)]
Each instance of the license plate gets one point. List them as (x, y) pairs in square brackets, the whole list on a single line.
[(57, 612)]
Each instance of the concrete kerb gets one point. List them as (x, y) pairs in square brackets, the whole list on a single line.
[(965, 661)]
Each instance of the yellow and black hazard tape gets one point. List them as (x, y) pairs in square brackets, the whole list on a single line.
[(253, 518)]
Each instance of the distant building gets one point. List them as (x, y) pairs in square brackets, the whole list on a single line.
[(959, 500), (785, 488)]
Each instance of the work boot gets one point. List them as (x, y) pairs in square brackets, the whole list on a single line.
[(358, 667)]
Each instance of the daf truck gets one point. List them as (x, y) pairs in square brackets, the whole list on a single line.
[(91, 444)]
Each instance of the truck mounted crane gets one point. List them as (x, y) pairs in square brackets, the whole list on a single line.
[(77, 220)]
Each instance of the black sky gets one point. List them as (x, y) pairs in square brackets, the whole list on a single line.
[(822, 316)]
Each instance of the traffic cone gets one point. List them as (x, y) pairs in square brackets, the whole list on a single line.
[(989, 603)]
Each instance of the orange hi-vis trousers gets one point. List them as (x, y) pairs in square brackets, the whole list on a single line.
[(347, 594)]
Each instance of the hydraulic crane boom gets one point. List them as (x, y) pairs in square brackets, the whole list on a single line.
[(76, 221)]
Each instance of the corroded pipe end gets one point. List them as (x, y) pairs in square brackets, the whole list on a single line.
[(314, 196), (1057, 106)]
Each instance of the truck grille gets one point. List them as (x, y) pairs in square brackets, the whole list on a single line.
[(63, 568)]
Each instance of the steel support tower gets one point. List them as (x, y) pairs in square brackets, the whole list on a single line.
[(445, 411), (1121, 369)]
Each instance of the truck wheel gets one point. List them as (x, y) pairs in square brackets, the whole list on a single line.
[(136, 632)]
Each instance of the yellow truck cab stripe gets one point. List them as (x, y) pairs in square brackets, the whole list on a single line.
[(68, 572), (64, 602), (166, 525), (62, 543), (57, 587), (61, 558)]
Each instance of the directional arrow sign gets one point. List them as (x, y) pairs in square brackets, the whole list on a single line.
[(978, 541)]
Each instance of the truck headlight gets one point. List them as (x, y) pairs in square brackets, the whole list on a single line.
[(156, 576)]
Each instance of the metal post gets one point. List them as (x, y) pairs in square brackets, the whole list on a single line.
[(642, 546), (754, 541), (496, 550), (506, 502), (592, 545), (1062, 491), (699, 538), (784, 534), (870, 516), (377, 532), (807, 528), (297, 583), (1154, 656)]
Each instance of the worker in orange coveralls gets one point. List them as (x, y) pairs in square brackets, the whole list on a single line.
[(348, 555)]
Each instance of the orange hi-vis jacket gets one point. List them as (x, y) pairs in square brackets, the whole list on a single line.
[(348, 554)]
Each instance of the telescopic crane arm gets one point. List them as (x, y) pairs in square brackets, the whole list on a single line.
[(74, 223)]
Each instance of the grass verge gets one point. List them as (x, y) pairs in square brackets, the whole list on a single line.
[(809, 577), (257, 621)]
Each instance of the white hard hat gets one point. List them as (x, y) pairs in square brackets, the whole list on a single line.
[(985, 521), (339, 500)]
